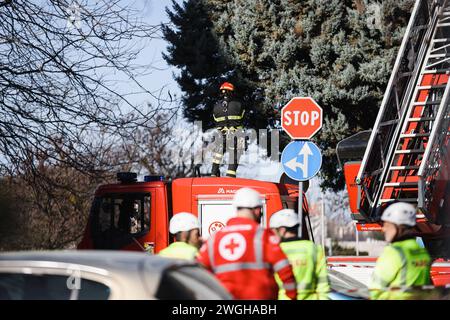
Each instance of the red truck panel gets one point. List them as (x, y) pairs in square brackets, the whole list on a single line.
[(188, 191)]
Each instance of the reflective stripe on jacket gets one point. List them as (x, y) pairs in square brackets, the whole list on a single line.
[(228, 114), (310, 269), (244, 257), (402, 264), (179, 250)]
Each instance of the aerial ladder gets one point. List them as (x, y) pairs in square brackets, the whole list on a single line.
[(408, 153)]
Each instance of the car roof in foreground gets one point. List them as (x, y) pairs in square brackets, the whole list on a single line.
[(110, 260)]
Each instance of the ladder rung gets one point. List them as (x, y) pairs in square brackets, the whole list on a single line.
[(432, 71), (394, 168), (388, 123), (440, 25), (400, 199), (441, 39), (439, 55), (409, 151), (421, 119), (400, 184), (439, 86), (414, 135), (427, 103)]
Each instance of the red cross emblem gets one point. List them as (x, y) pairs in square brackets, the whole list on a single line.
[(232, 246)]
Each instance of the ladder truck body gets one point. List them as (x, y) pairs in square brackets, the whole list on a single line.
[(407, 154)]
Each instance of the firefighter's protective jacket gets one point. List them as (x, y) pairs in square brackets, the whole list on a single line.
[(244, 257), (228, 115), (402, 264), (310, 269), (179, 250)]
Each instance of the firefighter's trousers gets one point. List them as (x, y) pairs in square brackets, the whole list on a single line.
[(232, 141)]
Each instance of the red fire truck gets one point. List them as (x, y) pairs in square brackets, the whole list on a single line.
[(406, 157), (133, 215)]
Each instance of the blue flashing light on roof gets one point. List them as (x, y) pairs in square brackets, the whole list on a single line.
[(153, 178)]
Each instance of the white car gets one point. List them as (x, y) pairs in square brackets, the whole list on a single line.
[(102, 275)]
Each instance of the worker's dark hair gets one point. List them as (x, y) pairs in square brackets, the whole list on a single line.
[(178, 236), (293, 229), (241, 208), (405, 232)]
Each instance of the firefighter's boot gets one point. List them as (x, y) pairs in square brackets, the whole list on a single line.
[(215, 171)]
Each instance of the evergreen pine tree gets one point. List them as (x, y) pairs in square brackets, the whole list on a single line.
[(340, 52)]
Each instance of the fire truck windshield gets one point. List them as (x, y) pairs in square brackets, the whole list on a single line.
[(117, 218)]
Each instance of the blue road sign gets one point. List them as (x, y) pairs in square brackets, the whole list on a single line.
[(301, 160)]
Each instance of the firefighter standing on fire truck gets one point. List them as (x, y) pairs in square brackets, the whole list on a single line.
[(244, 256), (228, 117), (186, 229), (403, 264), (307, 259)]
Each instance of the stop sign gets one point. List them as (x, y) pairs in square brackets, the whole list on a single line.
[(301, 118)]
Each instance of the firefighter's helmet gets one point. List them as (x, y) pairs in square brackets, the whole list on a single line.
[(183, 221), (400, 213), (247, 198), (226, 86), (284, 218)]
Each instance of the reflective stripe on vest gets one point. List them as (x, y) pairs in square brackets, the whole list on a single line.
[(211, 251), (240, 266), (236, 266), (378, 280), (304, 286), (404, 270), (289, 286), (280, 265)]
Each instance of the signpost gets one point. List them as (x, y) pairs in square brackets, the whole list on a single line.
[(301, 118)]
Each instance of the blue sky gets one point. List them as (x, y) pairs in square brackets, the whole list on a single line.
[(153, 13)]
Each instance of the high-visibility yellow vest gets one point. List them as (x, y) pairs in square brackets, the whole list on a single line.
[(310, 270), (179, 250), (402, 264)]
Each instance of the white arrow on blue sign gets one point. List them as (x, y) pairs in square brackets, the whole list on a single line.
[(301, 160)]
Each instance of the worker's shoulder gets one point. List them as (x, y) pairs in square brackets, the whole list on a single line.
[(391, 253)]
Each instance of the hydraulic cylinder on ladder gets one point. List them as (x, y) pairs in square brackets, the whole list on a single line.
[(410, 138)]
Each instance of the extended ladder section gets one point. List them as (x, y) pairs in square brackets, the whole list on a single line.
[(405, 151)]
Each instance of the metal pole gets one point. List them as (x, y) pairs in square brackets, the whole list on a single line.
[(322, 218), (357, 240), (300, 208)]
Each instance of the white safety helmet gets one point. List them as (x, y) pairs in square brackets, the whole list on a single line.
[(247, 198), (183, 221), (284, 218), (400, 213)]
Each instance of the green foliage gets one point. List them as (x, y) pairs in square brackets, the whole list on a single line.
[(340, 52)]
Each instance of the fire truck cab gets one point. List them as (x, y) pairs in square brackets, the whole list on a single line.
[(132, 215)]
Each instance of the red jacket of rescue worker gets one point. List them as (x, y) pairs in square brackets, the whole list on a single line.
[(244, 257)]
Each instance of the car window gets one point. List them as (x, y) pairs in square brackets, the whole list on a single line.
[(190, 283), (15, 286)]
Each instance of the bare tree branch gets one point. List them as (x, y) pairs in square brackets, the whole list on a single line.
[(60, 62)]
